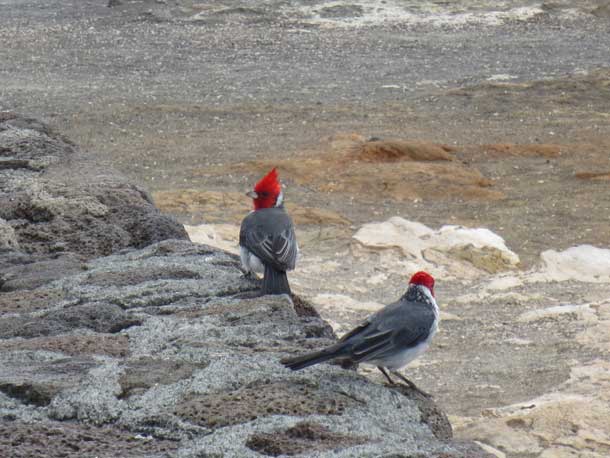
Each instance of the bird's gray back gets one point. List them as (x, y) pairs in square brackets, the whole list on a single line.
[(269, 234), (399, 325), (412, 321)]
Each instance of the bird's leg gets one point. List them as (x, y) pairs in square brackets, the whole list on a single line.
[(384, 372), (410, 384), (249, 274)]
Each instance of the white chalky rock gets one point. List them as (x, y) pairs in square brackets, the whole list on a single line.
[(584, 263), (223, 236), (450, 250)]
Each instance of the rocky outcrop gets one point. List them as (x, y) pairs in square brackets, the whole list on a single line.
[(188, 361), (58, 208), (128, 337)]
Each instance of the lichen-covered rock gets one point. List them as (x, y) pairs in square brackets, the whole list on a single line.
[(34, 378), (8, 239), (198, 362), (305, 437), (30, 271), (19, 439), (97, 316), (115, 345)]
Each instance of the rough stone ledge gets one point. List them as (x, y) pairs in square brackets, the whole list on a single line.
[(204, 373)]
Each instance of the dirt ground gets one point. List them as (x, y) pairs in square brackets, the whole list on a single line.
[(195, 110), (164, 99)]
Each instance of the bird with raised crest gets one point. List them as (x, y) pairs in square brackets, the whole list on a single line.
[(267, 242), (390, 338)]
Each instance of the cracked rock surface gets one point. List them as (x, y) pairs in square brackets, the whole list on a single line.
[(130, 339)]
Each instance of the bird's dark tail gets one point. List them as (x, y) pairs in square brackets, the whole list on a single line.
[(301, 362), (275, 282)]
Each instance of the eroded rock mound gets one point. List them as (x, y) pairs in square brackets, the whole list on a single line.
[(197, 363), (401, 150)]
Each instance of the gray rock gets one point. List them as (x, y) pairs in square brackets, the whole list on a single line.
[(603, 10), (99, 317), (341, 11), (36, 377), (304, 437), (39, 271), (19, 439), (8, 239), (141, 374), (29, 139), (56, 199), (203, 366), (115, 345), (29, 301)]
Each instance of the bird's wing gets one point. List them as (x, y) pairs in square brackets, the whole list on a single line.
[(372, 345), (357, 330), (398, 326), (273, 244)]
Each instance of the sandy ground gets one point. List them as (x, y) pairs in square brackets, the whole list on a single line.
[(194, 101)]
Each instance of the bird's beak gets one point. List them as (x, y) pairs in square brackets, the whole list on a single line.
[(252, 194)]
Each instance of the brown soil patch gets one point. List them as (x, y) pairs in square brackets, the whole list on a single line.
[(513, 149), (598, 176), (234, 205), (116, 345), (401, 150), (303, 216), (305, 437), (396, 169), (260, 400)]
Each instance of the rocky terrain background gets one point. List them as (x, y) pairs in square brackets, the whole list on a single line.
[(475, 113)]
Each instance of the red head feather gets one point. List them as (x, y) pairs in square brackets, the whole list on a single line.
[(423, 278), (267, 191)]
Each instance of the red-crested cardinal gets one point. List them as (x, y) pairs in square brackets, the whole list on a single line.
[(267, 242), (390, 338)]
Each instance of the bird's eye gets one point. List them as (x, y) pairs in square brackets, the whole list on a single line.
[(264, 194)]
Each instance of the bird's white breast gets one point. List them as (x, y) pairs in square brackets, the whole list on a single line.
[(402, 358), (250, 262)]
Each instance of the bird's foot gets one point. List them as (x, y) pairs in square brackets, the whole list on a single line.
[(249, 274), (412, 385), (385, 373)]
